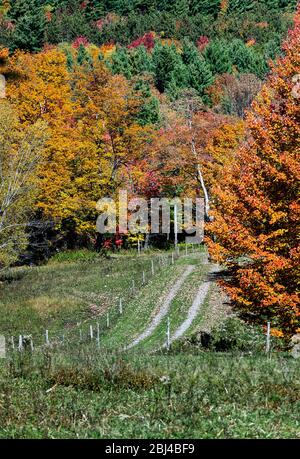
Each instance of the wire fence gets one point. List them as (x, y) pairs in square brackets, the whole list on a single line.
[(91, 330)]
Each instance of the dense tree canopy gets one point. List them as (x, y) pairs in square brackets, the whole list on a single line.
[(155, 96), (124, 21), (94, 130), (256, 201)]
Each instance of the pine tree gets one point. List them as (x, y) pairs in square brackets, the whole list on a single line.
[(180, 75), (149, 112), (4, 6), (218, 56), (260, 66), (189, 52), (205, 7), (272, 48), (29, 18), (240, 7), (172, 90), (168, 66), (120, 63), (141, 61), (242, 57), (200, 75), (94, 9), (20, 155), (70, 60), (246, 60), (83, 57), (181, 8)]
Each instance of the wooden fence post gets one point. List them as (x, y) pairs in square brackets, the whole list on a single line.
[(175, 226), (168, 333), (98, 335), (20, 347), (268, 341), (152, 267)]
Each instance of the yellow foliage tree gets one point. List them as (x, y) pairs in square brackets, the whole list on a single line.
[(93, 133), (20, 154)]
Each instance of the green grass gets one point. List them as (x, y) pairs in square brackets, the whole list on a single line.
[(180, 305), (69, 289), (187, 395), (81, 287), (81, 391)]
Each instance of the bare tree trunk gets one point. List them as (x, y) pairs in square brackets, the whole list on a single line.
[(146, 243), (202, 183), (20, 154)]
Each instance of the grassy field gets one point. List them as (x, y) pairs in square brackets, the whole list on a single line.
[(186, 395), (71, 288), (82, 391)]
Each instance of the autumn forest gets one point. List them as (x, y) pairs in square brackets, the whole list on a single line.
[(145, 331), (161, 99)]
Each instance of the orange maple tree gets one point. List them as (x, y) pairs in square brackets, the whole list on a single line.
[(256, 202)]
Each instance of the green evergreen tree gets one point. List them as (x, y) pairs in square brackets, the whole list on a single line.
[(94, 10), (70, 60), (150, 110), (261, 67), (29, 19), (168, 66), (272, 48), (181, 8), (189, 52), (141, 61), (200, 75), (179, 80), (217, 54), (242, 57), (120, 63), (83, 57), (179, 75), (205, 7), (238, 6)]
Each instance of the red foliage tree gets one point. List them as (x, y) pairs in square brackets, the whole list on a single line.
[(202, 42), (256, 211), (81, 40), (148, 40)]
